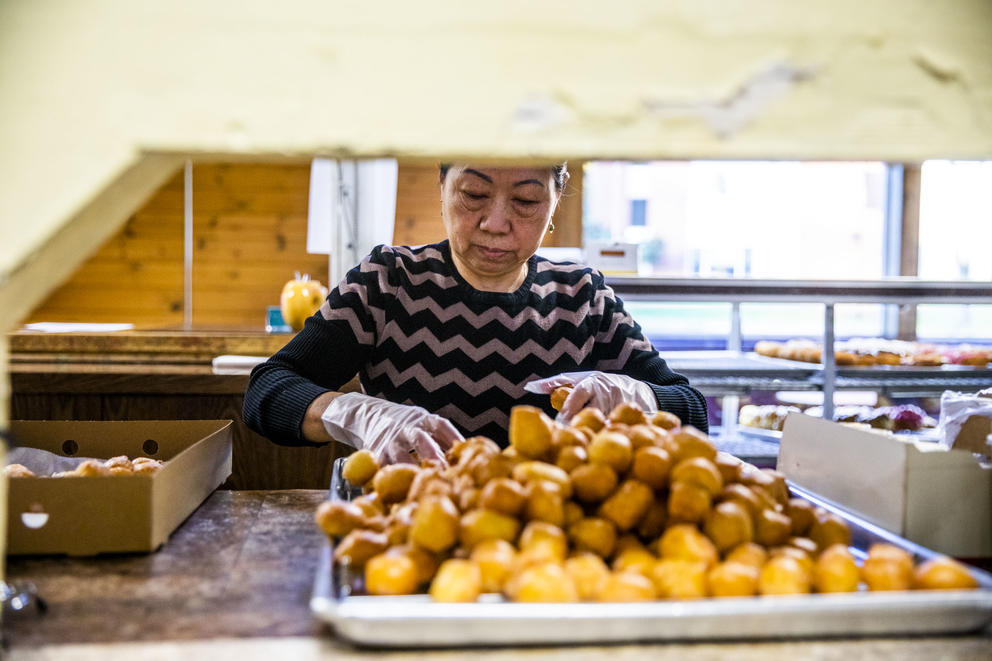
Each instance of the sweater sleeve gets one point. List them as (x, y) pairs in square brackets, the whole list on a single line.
[(621, 347), (322, 357)]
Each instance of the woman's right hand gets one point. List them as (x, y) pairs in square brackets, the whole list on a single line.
[(390, 431), (602, 390)]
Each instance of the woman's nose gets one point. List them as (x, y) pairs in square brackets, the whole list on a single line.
[(496, 218)]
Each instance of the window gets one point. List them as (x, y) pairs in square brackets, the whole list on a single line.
[(638, 213), (954, 244), (773, 219), (761, 219)]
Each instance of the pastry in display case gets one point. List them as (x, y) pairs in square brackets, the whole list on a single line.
[(879, 351), (765, 416), (902, 417)]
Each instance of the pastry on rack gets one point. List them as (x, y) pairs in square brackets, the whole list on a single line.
[(765, 416), (967, 354), (865, 351), (904, 417), (18, 470), (768, 348)]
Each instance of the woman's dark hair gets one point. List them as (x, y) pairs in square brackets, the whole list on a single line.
[(560, 172)]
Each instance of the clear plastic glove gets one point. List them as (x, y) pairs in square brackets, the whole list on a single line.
[(599, 389), (390, 431)]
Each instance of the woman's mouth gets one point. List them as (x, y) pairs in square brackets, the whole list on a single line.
[(493, 253)]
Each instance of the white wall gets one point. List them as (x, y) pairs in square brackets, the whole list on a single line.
[(90, 87)]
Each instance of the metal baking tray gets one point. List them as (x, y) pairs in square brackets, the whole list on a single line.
[(717, 363), (416, 622), (949, 371), (769, 435)]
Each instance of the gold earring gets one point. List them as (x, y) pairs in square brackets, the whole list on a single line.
[(551, 228)]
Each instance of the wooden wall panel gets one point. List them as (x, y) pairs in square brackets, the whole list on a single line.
[(249, 238), (250, 235), (418, 205), (136, 276), (568, 217)]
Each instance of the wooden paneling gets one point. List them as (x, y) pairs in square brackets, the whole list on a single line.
[(249, 238), (568, 217), (418, 205), (136, 276)]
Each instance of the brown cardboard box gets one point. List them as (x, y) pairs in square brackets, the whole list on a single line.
[(85, 516), (936, 497), (974, 434)]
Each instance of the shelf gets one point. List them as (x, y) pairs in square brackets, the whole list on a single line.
[(730, 363), (717, 373), (742, 290), (735, 291)]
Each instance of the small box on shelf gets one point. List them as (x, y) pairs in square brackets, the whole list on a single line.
[(934, 496), (274, 323)]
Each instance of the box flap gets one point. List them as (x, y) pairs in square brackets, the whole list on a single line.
[(188, 479), (949, 501), (859, 470), (974, 435)]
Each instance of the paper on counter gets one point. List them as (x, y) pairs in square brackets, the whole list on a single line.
[(60, 327), (232, 364), (43, 462), (956, 409)]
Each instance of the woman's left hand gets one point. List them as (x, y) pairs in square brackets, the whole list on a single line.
[(600, 389)]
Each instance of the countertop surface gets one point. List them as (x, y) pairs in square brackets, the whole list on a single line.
[(234, 581)]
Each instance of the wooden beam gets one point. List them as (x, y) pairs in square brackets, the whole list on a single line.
[(910, 253)]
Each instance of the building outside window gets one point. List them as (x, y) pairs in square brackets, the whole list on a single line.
[(759, 219), (955, 244)]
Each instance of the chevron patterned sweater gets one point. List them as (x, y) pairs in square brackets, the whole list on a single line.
[(417, 333)]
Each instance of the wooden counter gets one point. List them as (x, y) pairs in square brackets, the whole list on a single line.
[(91, 391), (234, 581), (160, 375), (142, 346)]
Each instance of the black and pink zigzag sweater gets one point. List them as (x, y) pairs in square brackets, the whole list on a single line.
[(416, 332)]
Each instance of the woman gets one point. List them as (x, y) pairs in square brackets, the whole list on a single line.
[(444, 337)]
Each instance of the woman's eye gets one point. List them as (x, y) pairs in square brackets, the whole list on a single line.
[(526, 202), (475, 196)]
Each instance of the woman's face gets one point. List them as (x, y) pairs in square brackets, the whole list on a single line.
[(496, 219)]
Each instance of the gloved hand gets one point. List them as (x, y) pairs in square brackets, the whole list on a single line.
[(388, 430), (599, 389)]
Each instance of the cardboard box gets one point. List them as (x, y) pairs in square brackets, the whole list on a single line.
[(974, 435), (938, 498), (612, 258), (86, 516)]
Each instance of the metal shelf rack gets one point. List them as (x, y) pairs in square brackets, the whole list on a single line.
[(730, 379)]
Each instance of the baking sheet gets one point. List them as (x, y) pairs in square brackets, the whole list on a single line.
[(921, 371), (416, 621), (770, 435)]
